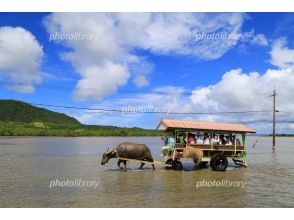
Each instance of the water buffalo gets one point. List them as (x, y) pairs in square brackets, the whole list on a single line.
[(194, 153), (130, 151)]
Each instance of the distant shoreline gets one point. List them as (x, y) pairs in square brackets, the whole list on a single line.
[(39, 129), (77, 137), (282, 135), (23, 136)]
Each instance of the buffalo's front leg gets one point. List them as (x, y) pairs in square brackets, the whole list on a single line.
[(153, 166), (142, 164), (125, 163), (118, 164)]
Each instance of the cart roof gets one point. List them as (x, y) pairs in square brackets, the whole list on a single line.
[(170, 124)]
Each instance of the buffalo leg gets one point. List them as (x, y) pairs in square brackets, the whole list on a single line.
[(142, 164), (118, 164), (151, 160), (125, 163)]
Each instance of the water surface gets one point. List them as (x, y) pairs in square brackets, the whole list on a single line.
[(29, 164)]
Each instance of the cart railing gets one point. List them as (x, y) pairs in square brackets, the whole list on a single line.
[(213, 147)]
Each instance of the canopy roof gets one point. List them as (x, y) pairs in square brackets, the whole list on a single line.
[(170, 124)]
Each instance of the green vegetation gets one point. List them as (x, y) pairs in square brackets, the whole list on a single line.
[(42, 129), (17, 111), (21, 119), (283, 135)]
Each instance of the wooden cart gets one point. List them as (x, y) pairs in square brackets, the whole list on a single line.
[(215, 152)]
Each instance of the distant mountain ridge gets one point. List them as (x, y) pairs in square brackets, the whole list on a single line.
[(18, 118), (17, 111)]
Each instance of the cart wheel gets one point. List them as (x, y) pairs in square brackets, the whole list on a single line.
[(169, 161), (177, 165), (219, 162)]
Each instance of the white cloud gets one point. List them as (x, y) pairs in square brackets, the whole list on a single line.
[(99, 81), (20, 58), (281, 55), (141, 70), (141, 81), (259, 39), (236, 91), (177, 33), (118, 35)]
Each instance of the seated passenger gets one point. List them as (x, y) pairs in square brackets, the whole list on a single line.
[(206, 139), (199, 139), (237, 140), (191, 139), (215, 140), (228, 140), (181, 138), (170, 141), (222, 140)]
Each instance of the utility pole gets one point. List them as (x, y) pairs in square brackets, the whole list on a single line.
[(274, 118)]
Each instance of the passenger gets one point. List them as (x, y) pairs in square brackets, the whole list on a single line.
[(195, 137), (191, 139), (215, 140), (199, 139), (170, 141), (182, 138), (238, 143), (232, 139), (222, 140), (228, 140), (206, 139)]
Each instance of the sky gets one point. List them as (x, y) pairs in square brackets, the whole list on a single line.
[(171, 62)]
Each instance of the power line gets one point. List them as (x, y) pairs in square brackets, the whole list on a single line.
[(148, 112)]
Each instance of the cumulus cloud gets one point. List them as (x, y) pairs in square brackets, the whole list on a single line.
[(259, 39), (99, 81), (235, 91), (117, 37), (177, 33), (141, 81), (281, 55), (20, 58), (238, 90)]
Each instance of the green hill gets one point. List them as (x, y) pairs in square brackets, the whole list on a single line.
[(22, 119), (17, 111)]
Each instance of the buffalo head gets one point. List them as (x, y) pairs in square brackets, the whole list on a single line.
[(108, 155)]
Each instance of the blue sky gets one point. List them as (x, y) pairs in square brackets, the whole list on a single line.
[(136, 57)]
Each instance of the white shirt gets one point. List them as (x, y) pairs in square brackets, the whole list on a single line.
[(206, 141), (215, 141), (199, 141)]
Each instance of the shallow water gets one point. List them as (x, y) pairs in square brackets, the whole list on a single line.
[(29, 164)]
